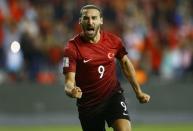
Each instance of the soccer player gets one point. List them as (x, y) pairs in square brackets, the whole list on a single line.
[(90, 75)]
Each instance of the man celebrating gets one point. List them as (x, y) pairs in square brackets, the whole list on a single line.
[(90, 75)]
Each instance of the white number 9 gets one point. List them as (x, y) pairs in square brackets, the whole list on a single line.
[(123, 105), (101, 70)]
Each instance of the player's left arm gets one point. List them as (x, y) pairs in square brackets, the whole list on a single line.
[(129, 73)]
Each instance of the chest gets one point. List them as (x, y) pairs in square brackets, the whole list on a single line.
[(95, 55)]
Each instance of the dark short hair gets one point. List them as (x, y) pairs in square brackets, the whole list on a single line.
[(90, 6)]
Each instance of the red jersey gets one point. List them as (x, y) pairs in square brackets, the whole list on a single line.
[(95, 67)]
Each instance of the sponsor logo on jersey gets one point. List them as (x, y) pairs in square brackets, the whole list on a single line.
[(86, 60)]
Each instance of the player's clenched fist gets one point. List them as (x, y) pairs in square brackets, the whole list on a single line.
[(143, 97), (73, 92), (76, 92)]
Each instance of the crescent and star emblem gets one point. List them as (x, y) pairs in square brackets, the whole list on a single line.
[(110, 55)]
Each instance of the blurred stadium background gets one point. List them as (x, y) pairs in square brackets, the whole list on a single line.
[(158, 35)]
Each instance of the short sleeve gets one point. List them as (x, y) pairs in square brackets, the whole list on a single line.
[(121, 50), (69, 60)]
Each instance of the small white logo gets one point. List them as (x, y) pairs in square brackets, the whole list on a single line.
[(87, 60), (65, 62)]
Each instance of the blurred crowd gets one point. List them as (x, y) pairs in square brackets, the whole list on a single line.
[(158, 35)]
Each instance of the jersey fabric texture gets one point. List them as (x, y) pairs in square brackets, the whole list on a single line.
[(94, 65)]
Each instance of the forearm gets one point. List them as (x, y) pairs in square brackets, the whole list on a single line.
[(70, 87), (130, 75), (69, 84)]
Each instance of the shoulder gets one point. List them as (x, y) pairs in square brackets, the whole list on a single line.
[(75, 38), (112, 39), (71, 42), (111, 36)]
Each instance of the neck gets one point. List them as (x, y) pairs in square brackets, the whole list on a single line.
[(95, 39)]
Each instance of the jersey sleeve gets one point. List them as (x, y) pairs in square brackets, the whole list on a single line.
[(121, 50), (69, 59)]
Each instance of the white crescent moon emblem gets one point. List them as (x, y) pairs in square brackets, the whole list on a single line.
[(110, 55)]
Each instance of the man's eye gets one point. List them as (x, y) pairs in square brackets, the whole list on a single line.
[(94, 17), (85, 18)]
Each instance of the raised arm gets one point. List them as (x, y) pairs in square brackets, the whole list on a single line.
[(70, 87), (129, 73)]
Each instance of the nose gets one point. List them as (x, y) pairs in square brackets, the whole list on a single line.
[(90, 21)]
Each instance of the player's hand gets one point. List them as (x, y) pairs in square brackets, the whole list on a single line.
[(74, 92), (143, 97)]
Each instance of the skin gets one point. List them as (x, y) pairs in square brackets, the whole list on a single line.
[(91, 19)]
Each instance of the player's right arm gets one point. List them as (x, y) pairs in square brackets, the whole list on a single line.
[(69, 69), (70, 87)]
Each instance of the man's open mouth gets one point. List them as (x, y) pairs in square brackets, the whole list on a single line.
[(90, 29)]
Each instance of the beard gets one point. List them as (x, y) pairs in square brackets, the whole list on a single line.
[(91, 32)]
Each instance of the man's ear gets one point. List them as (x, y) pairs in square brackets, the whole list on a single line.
[(79, 21), (101, 20)]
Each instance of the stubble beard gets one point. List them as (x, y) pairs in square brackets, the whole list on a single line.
[(93, 35)]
